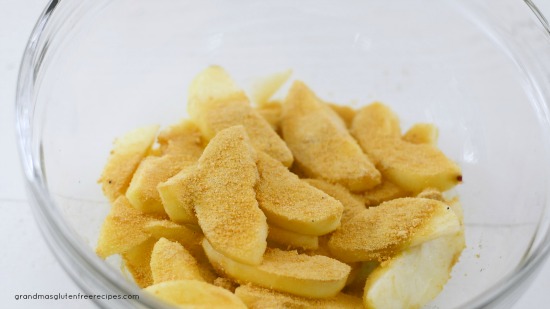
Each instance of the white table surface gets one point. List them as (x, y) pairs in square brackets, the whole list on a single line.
[(26, 264)]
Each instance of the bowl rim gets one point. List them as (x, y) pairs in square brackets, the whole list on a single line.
[(77, 259)]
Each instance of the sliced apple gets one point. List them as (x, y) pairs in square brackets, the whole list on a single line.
[(176, 196), (415, 276), (386, 191), (422, 133), (292, 239), (293, 204), (170, 261), (286, 271), (195, 294), (127, 153), (321, 143), (352, 203), (256, 297), (122, 229), (266, 87), (412, 167), (182, 147), (226, 283), (346, 113), (138, 262), (379, 233), (272, 113), (216, 103), (220, 190)]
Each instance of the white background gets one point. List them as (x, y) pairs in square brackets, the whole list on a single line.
[(26, 264)]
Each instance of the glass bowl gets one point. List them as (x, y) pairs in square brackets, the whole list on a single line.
[(478, 69)]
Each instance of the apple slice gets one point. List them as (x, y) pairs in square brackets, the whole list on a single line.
[(352, 203), (195, 294), (386, 191), (127, 153), (321, 143), (266, 87), (175, 194), (287, 271), (292, 239), (216, 103), (293, 204), (379, 233), (415, 276), (171, 261), (256, 297), (271, 112), (412, 167), (220, 190), (346, 113), (422, 133), (122, 229), (181, 146), (138, 262)]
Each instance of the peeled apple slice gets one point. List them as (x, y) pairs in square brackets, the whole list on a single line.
[(220, 191), (378, 233), (182, 146), (217, 103), (412, 167), (293, 204), (193, 294), (321, 143), (415, 276), (256, 297), (171, 261), (286, 271), (292, 239), (127, 153)]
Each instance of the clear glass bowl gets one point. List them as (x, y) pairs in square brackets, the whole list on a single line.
[(478, 69)]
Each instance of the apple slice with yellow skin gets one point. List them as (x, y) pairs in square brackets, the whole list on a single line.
[(412, 167), (127, 153), (171, 261), (217, 103), (293, 204), (220, 190), (193, 294), (286, 271), (379, 233), (292, 239), (321, 143), (256, 297), (181, 147), (415, 276)]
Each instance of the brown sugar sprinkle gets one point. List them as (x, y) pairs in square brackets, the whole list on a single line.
[(379, 232)]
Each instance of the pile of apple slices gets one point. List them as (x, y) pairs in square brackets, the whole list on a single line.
[(293, 204)]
